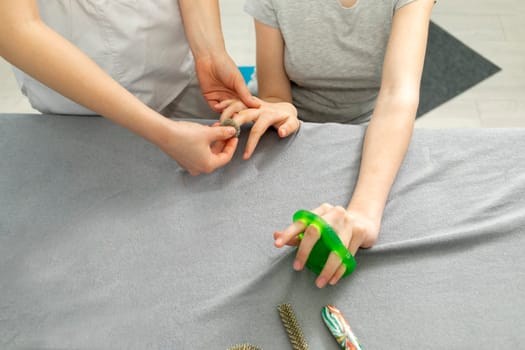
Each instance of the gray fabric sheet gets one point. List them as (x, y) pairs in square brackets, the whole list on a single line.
[(105, 243)]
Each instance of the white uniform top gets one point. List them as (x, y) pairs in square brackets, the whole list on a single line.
[(141, 44)]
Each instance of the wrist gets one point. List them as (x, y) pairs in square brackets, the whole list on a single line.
[(158, 130), (371, 209)]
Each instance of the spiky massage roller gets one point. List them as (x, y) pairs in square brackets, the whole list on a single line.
[(244, 347), (291, 325), (328, 242), (231, 122)]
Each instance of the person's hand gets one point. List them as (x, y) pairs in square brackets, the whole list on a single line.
[(199, 148), (281, 115), (220, 79), (354, 229)]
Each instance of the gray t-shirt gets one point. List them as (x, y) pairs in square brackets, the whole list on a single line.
[(333, 55)]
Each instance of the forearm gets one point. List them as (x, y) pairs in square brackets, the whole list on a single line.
[(385, 145), (43, 54), (202, 24)]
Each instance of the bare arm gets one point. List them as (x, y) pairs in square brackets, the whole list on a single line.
[(385, 145), (24, 37), (272, 80), (29, 44), (390, 129), (218, 75)]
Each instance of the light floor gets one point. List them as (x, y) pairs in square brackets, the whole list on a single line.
[(494, 28)]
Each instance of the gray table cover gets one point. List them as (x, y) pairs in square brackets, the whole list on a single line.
[(105, 243)]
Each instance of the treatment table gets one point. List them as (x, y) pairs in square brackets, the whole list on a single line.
[(106, 243)]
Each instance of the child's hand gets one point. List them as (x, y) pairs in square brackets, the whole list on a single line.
[(281, 115), (354, 229)]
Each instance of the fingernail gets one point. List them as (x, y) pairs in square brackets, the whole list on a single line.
[(283, 132), (297, 266), (278, 241), (321, 282)]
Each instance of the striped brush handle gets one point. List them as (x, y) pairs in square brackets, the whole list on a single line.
[(340, 329)]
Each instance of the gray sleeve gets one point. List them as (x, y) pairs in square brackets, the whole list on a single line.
[(263, 11)]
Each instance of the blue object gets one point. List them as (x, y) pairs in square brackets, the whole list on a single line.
[(247, 72)]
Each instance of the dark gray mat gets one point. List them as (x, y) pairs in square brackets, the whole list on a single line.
[(451, 68)]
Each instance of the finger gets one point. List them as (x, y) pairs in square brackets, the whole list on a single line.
[(244, 94), (330, 268), (322, 209), (338, 274), (231, 110), (288, 127), (265, 120), (354, 245), (290, 234), (217, 146), (336, 218), (220, 133), (258, 129), (311, 236), (224, 156), (212, 103), (225, 103), (246, 116)]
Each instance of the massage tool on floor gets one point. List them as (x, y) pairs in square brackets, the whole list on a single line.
[(244, 347), (231, 122), (332, 318), (295, 333), (327, 243), (340, 328)]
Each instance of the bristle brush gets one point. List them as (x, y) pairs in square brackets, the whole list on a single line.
[(295, 333)]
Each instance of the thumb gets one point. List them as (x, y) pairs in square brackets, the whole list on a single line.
[(221, 133), (245, 95)]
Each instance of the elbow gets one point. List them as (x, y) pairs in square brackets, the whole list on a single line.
[(12, 29), (402, 99)]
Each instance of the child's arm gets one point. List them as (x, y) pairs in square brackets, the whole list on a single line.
[(385, 145), (272, 80), (29, 44), (390, 129)]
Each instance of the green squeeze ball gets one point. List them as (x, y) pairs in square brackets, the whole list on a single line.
[(328, 242)]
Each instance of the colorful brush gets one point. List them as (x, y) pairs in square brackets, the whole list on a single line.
[(295, 333), (339, 327)]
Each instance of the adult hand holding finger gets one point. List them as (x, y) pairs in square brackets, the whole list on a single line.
[(199, 148)]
